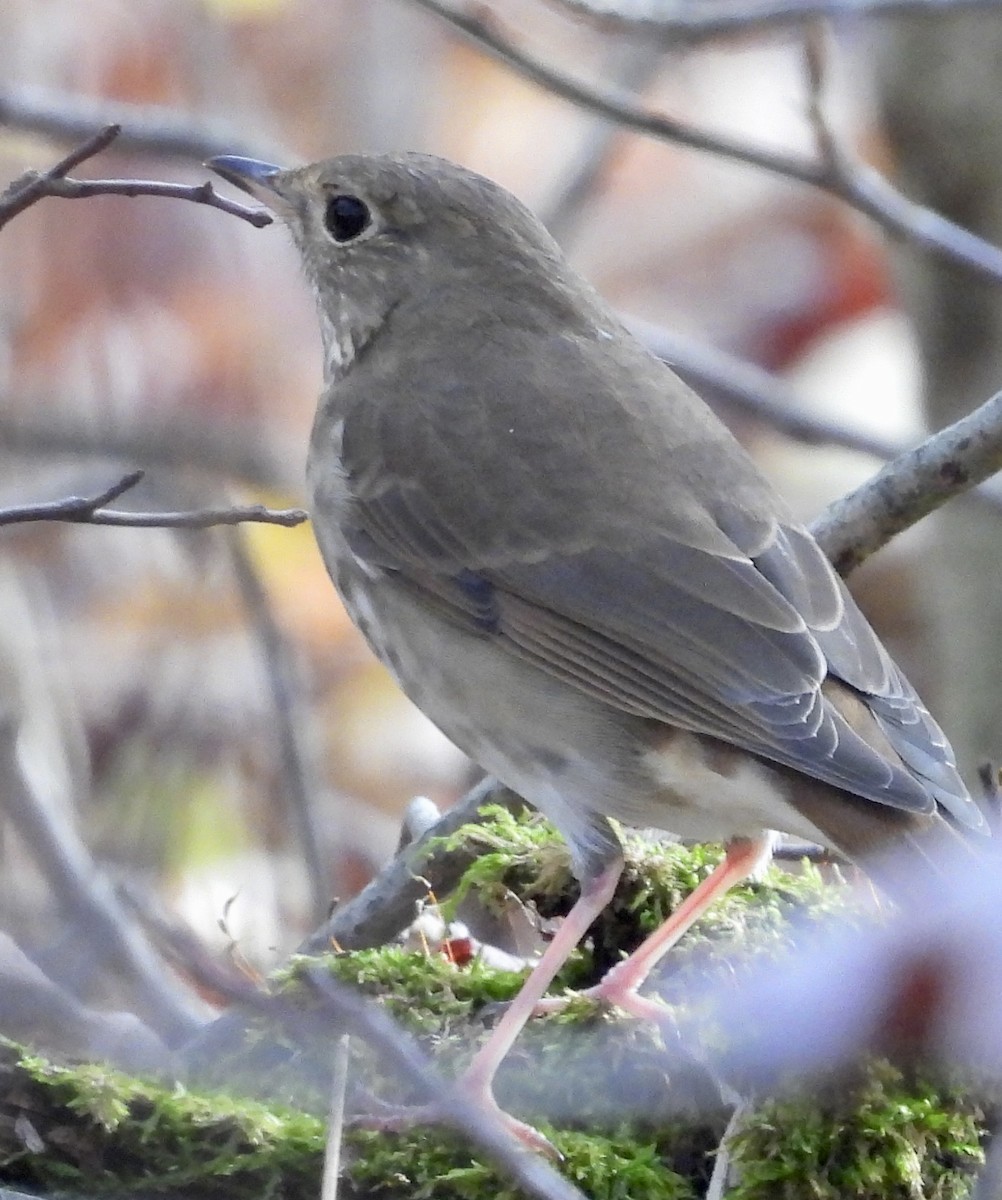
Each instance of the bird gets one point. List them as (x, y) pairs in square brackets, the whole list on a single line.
[(574, 569)]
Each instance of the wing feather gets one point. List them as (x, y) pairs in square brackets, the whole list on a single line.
[(719, 616)]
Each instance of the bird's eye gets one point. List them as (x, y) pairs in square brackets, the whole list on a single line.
[(346, 217)]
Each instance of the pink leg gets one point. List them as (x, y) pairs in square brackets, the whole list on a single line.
[(595, 895), (478, 1078), (744, 856)]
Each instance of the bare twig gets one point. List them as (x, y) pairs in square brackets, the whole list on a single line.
[(720, 1180), (90, 510), (816, 52), (70, 508), (82, 890), (29, 188), (299, 774), (335, 1120), (197, 193), (199, 518), (861, 188), (531, 1171), (36, 185), (147, 129), (912, 485), (675, 24)]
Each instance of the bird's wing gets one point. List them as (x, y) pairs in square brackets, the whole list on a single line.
[(658, 598)]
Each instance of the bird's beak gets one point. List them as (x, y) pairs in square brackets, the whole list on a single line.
[(256, 178)]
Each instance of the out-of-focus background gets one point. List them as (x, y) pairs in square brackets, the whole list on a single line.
[(157, 334)]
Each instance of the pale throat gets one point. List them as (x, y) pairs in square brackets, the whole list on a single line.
[(344, 335)]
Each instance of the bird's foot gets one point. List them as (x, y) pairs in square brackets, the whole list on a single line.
[(613, 991)]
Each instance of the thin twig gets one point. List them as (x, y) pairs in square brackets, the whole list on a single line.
[(697, 20), (29, 188), (335, 1121), (90, 510), (861, 188), (197, 193), (199, 518), (530, 1171), (720, 1179), (816, 52), (300, 778), (37, 185)]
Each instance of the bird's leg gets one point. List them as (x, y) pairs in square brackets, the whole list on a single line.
[(620, 985), (744, 856), (596, 892), (477, 1081)]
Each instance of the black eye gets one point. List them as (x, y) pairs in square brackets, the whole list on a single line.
[(346, 217)]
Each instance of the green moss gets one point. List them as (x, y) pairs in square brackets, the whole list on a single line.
[(887, 1138), (522, 853), (598, 1083), (99, 1131), (420, 1167)]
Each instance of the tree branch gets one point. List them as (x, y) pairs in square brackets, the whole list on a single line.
[(82, 890), (911, 486), (29, 188), (35, 186), (699, 20), (390, 902), (146, 128), (90, 510), (860, 187), (298, 758)]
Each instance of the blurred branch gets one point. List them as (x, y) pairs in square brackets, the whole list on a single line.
[(37, 1011), (390, 902), (218, 447), (631, 67), (911, 486), (91, 511), (751, 391), (672, 24), (81, 890), (862, 188), (36, 185), (146, 128), (485, 1129), (338, 1007), (299, 777)]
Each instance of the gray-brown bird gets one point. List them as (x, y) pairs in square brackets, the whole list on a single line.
[(571, 565)]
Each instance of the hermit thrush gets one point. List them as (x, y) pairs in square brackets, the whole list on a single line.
[(569, 563)]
